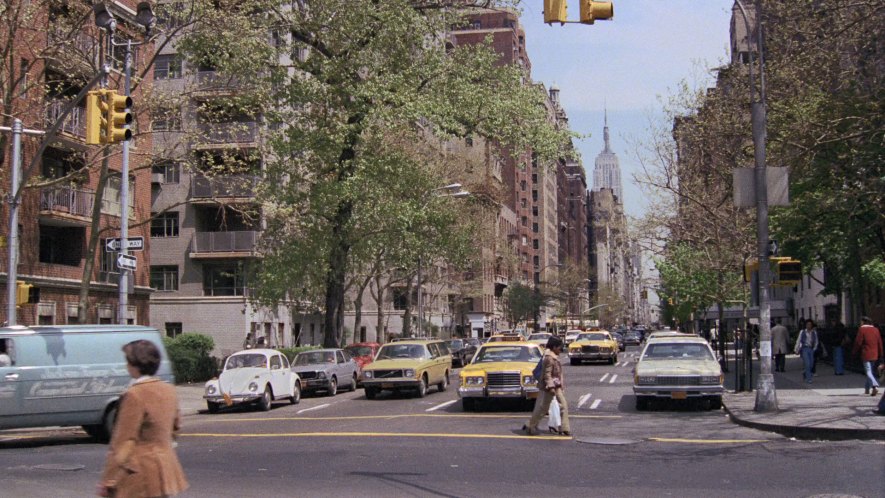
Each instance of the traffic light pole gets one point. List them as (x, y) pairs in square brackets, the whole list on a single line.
[(123, 289)]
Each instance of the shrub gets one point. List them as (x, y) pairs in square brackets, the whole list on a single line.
[(190, 358), (292, 352)]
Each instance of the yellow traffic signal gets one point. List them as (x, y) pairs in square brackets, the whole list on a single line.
[(555, 11), (117, 117), (22, 292), (789, 272), (592, 11), (96, 109)]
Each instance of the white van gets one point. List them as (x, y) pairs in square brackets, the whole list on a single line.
[(68, 375)]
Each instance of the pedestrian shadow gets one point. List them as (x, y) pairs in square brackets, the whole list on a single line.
[(628, 404), (398, 480)]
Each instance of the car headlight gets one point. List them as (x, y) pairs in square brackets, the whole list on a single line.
[(367, 374), (475, 380), (253, 387), (528, 379), (321, 375), (409, 372), (710, 379), (210, 389), (646, 379)]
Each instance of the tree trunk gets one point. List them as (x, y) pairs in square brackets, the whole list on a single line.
[(720, 307), (380, 336), (358, 308), (407, 315), (94, 237), (336, 277)]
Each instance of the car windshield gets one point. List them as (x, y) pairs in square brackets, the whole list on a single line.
[(456, 344), (246, 361), (673, 350), (534, 337), (359, 350), (396, 351), (315, 358), (507, 353), (592, 337)]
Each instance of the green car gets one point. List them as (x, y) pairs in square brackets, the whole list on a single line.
[(408, 366)]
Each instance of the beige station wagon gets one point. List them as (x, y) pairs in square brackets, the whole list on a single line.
[(678, 368), (408, 366)]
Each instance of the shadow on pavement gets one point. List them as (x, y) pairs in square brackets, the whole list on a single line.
[(397, 479)]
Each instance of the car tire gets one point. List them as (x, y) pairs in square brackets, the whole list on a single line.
[(93, 430), (106, 429), (716, 403), (212, 407), (468, 404), (333, 387), (352, 387), (266, 400), (612, 360), (443, 384), (422, 387), (296, 394), (574, 361), (371, 392), (642, 403)]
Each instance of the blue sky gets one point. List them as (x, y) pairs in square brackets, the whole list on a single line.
[(626, 64)]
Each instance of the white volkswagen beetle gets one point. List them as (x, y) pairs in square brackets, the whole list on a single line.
[(253, 375)]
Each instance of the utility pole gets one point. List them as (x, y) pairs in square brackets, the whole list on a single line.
[(123, 288)]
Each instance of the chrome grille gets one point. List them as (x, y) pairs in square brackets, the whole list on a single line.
[(503, 379), (307, 375), (387, 374), (692, 380), (590, 349)]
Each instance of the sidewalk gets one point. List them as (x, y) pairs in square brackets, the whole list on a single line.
[(832, 407), (190, 398)]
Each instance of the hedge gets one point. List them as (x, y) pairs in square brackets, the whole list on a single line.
[(190, 358), (292, 352)]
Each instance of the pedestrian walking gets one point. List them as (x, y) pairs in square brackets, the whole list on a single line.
[(551, 386), (806, 345), (868, 344), (840, 341), (141, 460), (779, 348)]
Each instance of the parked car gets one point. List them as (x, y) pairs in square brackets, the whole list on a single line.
[(69, 375), (619, 338), (500, 370), (259, 376), (540, 339), (408, 365), (463, 350), (326, 370), (678, 368), (363, 353), (596, 345)]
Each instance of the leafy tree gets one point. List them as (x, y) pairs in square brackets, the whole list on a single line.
[(522, 302)]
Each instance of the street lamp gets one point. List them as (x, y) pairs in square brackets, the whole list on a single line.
[(455, 192)]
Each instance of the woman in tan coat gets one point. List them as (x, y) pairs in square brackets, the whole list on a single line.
[(551, 386), (141, 461)]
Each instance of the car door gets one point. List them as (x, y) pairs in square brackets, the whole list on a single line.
[(278, 377), (341, 370), (10, 381), (350, 365), (433, 371)]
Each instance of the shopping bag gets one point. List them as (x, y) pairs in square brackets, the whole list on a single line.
[(555, 415)]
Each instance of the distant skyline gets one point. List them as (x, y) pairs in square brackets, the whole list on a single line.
[(625, 65)]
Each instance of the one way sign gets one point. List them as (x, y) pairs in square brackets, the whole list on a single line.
[(132, 244)]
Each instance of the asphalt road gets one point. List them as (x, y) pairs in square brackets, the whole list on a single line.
[(404, 446)]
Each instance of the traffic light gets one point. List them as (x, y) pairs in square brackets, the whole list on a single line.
[(117, 117), (592, 11), (789, 272), (643, 294), (22, 293), (96, 109), (555, 11)]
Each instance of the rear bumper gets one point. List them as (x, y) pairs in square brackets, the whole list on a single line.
[(677, 392), (310, 384), (498, 392), (391, 383), (235, 398), (591, 356)]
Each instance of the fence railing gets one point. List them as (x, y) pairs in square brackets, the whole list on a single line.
[(236, 132), (77, 202), (74, 123), (224, 186), (214, 80), (240, 241)]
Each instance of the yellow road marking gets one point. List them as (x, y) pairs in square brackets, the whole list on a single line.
[(706, 441), (388, 417), (378, 434)]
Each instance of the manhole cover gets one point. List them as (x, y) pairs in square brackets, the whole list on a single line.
[(606, 440), (59, 466)]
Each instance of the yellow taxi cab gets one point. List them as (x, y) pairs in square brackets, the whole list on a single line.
[(593, 346), (408, 365), (500, 369), (506, 337), (540, 338)]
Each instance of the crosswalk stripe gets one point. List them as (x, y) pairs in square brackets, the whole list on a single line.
[(603, 378), (583, 399), (595, 404), (613, 379), (318, 407), (442, 405)]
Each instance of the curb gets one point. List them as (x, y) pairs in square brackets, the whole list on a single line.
[(818, 433)]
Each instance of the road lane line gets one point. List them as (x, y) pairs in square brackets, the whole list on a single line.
[(706, 441), (318, 407), (386, 417), (441, 405), (583, 399), (613, 379), (379, 434), (595, 404), (603, 378)]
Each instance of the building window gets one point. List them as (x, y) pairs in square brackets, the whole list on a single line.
[(535, 227), (168, 119), (61, 245), (171, 171), (164, 278), (477, 25), (534, 178), (535, 244), (24, 64), (165, 225), (525, 221), (522, 185), (167, 67), (173, 329), (399, 299), (535, 195), (534, 210), (224, 280)]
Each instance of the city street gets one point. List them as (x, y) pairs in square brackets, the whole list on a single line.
[(403, 446)]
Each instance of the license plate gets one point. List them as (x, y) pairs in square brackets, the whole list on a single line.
[(678, 395), (387, 385), (531, 395)]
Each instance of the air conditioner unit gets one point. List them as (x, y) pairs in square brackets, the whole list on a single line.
[(156, 177)]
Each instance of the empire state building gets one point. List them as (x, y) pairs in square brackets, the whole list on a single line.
[(607, 172)]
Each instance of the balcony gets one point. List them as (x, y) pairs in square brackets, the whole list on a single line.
[(237, 133), (66, 205), (217, 245), (74, 124), (223, 187), (212, 82)]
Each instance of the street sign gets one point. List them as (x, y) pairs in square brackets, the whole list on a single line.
[(772, 247), (126, 262), (132, 244)]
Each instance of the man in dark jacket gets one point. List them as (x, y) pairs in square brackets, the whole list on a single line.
[(868, 344)]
